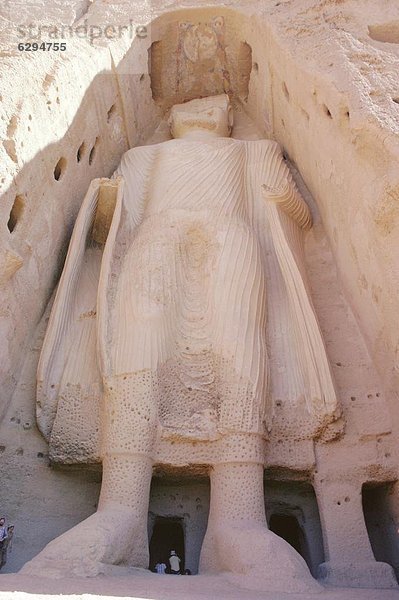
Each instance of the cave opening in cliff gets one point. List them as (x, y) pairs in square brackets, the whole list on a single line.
[(378, 501), (288, 528), (167, 535), (292, 513), (178, 514)]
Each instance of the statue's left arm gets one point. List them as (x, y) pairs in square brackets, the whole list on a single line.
[(287, 196), (282, 215), (68, 377), (278, 186)]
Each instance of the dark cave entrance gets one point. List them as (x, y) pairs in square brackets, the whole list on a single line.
[(293, 514), (378, 502), (167, 535), (288, 528)]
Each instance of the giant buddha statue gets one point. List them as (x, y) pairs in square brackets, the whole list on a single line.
[(183, 311)]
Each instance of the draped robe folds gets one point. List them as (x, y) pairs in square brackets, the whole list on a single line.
[(202, 320)]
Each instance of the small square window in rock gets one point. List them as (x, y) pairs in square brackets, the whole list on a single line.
[(16, 212), (80, 152), (93, 151), (111, 112), (60, 168)]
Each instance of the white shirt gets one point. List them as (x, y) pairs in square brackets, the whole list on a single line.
[(3, 532), (160, 568), (174, 563)]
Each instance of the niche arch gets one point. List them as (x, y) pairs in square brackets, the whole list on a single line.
[(192, 53)]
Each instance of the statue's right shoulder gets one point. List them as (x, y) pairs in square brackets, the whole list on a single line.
[(264, 151), (138, 153), (136, 150), (265, 145)]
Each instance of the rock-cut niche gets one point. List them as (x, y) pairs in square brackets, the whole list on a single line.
[(208, 60)]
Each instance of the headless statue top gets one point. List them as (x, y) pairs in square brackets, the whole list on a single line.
[(194, 318)]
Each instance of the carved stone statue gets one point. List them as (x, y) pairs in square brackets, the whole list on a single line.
[(188, 324)]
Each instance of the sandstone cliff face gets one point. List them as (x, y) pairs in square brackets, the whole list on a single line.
[(320, 77)]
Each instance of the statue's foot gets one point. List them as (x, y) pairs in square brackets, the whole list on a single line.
[(111, 536), (255, 558)]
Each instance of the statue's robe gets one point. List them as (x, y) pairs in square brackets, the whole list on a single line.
[(195, 320)]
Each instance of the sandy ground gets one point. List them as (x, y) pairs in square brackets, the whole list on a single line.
[(139, 585)]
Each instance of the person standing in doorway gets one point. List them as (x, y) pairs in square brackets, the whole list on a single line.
[(3, 542), (174, 562), (160, 568)]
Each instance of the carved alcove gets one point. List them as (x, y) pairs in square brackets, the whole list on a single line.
[(193, 53)]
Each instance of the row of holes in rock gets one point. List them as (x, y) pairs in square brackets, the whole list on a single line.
[(59, 170), (325, 108), (60, 167), (61, 164)]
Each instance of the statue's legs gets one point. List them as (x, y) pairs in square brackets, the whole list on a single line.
[(238, 540), (117, 533)]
